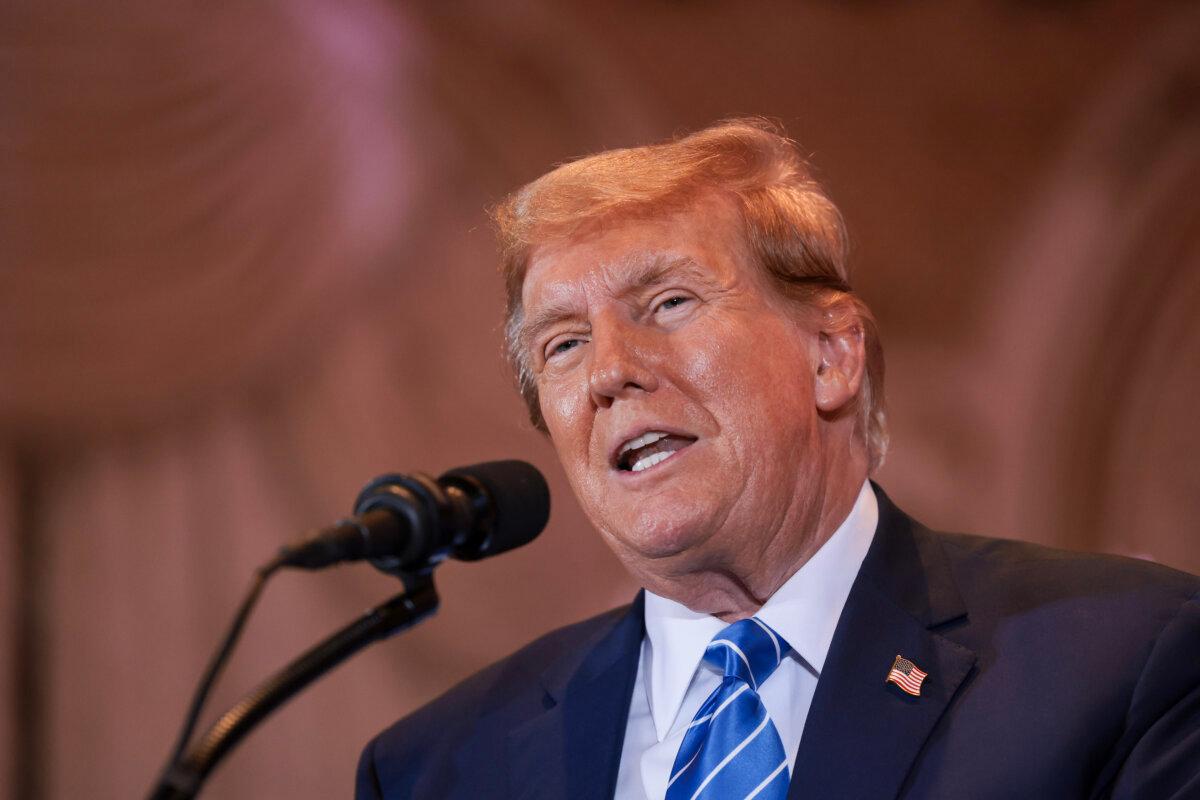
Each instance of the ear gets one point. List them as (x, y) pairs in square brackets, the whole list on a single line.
[(841, 361)]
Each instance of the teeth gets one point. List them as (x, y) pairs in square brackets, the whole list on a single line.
[(650, 437), (650, 461)]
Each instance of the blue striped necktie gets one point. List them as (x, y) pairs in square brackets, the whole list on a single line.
[(731, 749)]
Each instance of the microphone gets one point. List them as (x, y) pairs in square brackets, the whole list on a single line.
[(408, 524)]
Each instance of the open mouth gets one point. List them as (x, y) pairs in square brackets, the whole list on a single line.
[(649, 450)]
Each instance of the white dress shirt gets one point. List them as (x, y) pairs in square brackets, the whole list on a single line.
[(673, 682)]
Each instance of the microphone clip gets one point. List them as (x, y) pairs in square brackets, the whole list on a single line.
[(420, 501)]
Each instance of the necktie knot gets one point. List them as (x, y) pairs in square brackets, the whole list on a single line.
[(747, 650)]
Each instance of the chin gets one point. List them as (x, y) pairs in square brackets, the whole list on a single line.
[(658, 535)]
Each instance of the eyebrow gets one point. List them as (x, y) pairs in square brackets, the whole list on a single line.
[(647, 271)]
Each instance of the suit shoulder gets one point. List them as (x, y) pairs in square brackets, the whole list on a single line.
[(1008, 576), (497, 696), (1025, 561)]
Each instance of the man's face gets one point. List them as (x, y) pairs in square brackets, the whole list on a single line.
[(677, 388)]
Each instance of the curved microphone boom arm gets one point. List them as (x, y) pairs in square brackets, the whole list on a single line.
[(182, 780), (405, 525)]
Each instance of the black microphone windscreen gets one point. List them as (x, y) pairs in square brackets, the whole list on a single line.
[(519, 500)]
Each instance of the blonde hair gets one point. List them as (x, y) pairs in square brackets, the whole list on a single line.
[(791, 227)]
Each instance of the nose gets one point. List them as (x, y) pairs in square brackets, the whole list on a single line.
[(622, 359)]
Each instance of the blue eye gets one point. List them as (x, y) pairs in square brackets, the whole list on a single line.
[(564, 346), (673, 302)]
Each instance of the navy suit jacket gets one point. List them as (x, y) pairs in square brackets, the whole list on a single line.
[(1051, 675)]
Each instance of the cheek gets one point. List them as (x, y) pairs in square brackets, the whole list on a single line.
[(702, 369), (741, 369), (710, 365), (757, 387), (565, 408)]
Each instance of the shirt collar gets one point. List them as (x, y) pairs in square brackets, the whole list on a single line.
[(804, 611)]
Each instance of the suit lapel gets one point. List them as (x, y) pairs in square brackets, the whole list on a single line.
[(862, 734), (573, 748)]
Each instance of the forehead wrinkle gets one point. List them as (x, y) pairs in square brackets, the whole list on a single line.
[(646, 269), (621, 278), (550, 314)]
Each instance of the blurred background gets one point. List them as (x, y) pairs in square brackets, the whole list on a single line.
[(245, 266)]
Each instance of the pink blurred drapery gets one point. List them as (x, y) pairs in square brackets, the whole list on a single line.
[(234, 238), (192, 193)]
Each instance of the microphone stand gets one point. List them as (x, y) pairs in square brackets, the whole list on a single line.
[(183, 779)]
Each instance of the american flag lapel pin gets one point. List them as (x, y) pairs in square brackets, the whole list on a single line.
[(907, 675)]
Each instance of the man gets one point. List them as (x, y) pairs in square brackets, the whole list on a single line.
[(683, 328)]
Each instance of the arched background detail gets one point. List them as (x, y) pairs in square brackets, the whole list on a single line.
[(1094, 432)]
